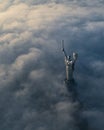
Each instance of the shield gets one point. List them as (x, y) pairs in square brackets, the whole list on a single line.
[(75, 56)]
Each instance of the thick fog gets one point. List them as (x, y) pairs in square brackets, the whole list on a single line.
[(33, 95)]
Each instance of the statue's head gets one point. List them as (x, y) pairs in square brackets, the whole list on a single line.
[(69, 57)]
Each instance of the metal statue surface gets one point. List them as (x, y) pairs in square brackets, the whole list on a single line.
[(70, 63)]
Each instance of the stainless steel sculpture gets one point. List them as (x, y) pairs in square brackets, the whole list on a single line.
[(70, 63)]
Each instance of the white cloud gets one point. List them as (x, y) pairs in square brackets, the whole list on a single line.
[(32, 95)]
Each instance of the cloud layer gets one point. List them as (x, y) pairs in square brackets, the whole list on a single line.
[(32, 95)]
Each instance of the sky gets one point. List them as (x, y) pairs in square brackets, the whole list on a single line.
[(33, 95)]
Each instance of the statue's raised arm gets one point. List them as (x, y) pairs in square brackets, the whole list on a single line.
[(63, 50)]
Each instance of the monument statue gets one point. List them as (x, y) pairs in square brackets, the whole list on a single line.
[(70, 63)]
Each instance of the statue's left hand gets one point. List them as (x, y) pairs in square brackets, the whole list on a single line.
[(62, 49)]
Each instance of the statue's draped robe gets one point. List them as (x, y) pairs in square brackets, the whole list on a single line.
[(69, 69)]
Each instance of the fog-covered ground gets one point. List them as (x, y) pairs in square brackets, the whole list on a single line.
[(32, 70)]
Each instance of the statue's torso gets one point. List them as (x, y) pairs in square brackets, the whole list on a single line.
[(69, 69)]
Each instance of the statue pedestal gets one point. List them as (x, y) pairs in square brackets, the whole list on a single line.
[(69, 82)]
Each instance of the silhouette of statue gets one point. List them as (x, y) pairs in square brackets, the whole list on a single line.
[(70, 63)]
